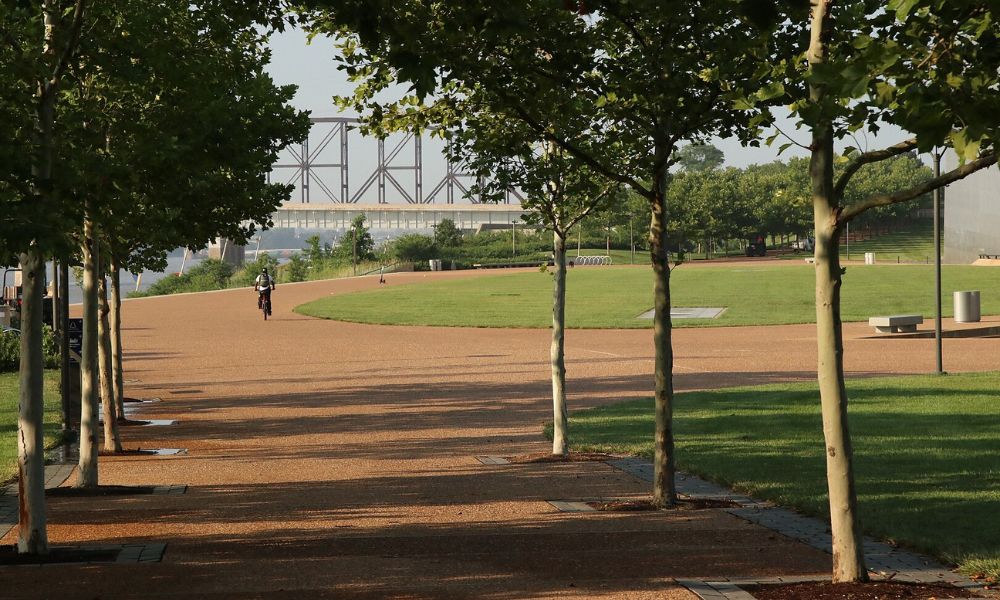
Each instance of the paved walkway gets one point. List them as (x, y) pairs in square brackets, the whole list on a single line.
[(337, 460)]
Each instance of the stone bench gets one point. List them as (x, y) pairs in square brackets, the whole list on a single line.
[(896, 323)]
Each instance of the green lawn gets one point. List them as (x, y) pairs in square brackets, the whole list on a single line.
[(612, 297), (8, 419), (915, 245), (927, 453)]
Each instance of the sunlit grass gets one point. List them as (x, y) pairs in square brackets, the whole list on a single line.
[(8, 418), (927, 453), (613, 297)]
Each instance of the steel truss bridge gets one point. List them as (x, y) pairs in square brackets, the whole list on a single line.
[(321, 170)]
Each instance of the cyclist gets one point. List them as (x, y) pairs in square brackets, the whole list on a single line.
[(263, 285)]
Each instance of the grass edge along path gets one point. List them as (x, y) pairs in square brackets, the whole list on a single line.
[(8, 419), (926, 451), (613, 297)]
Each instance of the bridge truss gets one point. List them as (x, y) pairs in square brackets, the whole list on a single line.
[(398, 172)]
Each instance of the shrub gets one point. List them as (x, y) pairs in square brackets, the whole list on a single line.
[(210, 274), (296, 269), (414, 247), (249, 272), (10, 350)]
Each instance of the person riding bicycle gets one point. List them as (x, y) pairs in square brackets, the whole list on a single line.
[(264, 284)]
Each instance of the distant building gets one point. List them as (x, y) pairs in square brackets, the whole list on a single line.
[(972, 216)]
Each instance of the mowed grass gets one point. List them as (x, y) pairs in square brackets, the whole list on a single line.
[(927, 453), (915, 245), (613, 297), (8, 419)]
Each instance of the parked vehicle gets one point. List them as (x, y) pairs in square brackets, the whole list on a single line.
[(805, 243), (757, 245)]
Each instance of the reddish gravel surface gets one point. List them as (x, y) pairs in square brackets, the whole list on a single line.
[(328, 459)]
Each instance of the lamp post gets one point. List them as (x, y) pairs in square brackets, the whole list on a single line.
[(937, 264), (513, 238), (631, 240)]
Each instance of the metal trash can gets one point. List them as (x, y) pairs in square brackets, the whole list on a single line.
[(967, 306)]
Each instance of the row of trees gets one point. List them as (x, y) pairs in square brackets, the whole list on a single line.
[(572, 101), (131, 128), (731, 203)]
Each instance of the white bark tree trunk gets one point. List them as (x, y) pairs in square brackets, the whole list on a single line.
[(848, 548), (557, 353), (32, 537), (116, 339), (112, 439), (87, 472)]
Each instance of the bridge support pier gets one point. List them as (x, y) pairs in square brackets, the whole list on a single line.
[(228, 252)]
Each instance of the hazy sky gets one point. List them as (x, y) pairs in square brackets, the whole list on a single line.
[(311, 67)]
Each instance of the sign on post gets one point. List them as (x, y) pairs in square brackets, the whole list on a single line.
[(75, 329)]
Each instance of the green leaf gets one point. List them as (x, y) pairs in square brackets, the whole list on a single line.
[(771, 91), (967, 149), (903, 8)]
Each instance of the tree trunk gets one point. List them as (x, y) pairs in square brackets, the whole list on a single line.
[(560, 415), (116, 338), (32, 537), (112, 440), (848, 549), (664, 491), (87, 477)]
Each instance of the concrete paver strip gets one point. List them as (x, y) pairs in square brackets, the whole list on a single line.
[(332, 459), (881, 558)]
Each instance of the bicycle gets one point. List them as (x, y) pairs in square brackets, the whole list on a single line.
[(264, 302)]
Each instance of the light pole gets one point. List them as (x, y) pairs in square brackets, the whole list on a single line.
[(631, 240), (848, 240), (513, 238), (937, 264)]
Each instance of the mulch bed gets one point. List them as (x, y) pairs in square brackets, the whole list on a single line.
[(881, 590), (543, 457), (626, 505), (10, 557), (101, 490)]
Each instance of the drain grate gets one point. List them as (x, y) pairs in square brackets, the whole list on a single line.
[(571, 506), (493, 460)]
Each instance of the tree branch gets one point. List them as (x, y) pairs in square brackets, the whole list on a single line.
[(579, 153), (591, 207), (868, 158), (850, 212), (630, 25), (71, 44)]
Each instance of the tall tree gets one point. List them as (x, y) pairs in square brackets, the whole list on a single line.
[(175, 106), (927, 66), (639, 77), (700, 157), (39, 41), (447, 235), (357, 243), (559, 192)]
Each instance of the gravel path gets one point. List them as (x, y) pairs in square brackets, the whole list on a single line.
[(333, 460)]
